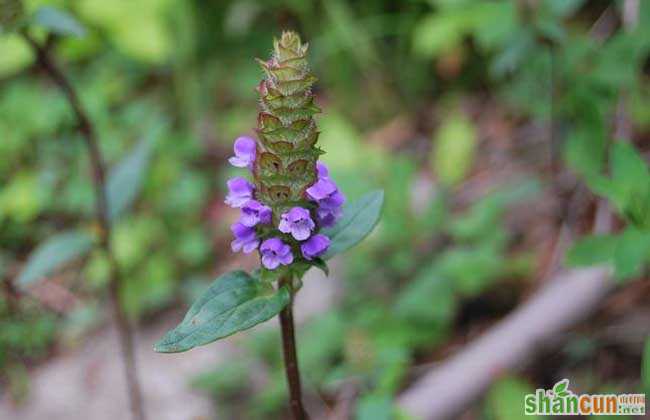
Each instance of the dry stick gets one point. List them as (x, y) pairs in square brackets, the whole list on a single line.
[(101, 207), (446, 390), (291, 357)]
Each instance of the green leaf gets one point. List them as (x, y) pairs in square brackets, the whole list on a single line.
[(53, 253), (59, 21), (560, 388), (592, 250), (234, 302), (359, 219), (125, 179), (454, 149), (631, 254)]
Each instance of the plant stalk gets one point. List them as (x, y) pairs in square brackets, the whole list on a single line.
[(86, 127), (291, 357)]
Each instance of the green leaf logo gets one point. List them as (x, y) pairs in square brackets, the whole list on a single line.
[(560, 388)]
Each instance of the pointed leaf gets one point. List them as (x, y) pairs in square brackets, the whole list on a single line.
[(235, 302), (53, 253), (125, 179), (359, 219), (59, 21)]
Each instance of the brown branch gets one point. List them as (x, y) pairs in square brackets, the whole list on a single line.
[(446, 390), (291, 358), (47, 63)]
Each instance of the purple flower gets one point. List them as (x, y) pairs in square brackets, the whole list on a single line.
[(326, 193), (254, 212), (297, 222), (315, 246), (328, 217), (329, 199), (322, 170), (239, 192), (244, 153), (275, 252), (245, 238)]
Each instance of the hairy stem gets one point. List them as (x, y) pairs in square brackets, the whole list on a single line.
[(291, 358), (86, 127)]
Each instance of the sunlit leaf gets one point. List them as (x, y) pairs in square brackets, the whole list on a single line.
[(235, 302), (53, 253), (454, 149), (125, 179), (359, 219), (58, 21)]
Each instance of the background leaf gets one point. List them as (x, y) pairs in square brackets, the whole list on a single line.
[(59, 21), (454, 149), (592, 250), (359, 219), (235, 302), (125, 179), (53, 253)]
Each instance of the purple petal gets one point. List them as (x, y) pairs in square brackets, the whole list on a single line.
[(315, 246), (244, 152), (300, 232), (322, 170), (323, 188), (254, 212), (328, 218), (251, 246), (270, 261), (245, 238), (334, 201), (239, 162), (285, 225), (287, 258), (275, 252), (272, 244), (239, 192)]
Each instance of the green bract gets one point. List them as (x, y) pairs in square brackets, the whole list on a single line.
[(287, 152)]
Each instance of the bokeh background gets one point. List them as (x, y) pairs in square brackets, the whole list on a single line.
[(481, 120)]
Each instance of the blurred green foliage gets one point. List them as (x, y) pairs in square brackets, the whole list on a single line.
[(188, 67)]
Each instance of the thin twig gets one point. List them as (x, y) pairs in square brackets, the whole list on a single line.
[(86, 127), (291, 358)]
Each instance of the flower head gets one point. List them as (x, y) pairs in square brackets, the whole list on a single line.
[(244, 153), (254, 212), (239, 192), (245, 238), (315, 246), (275, 253), (297, 222)]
